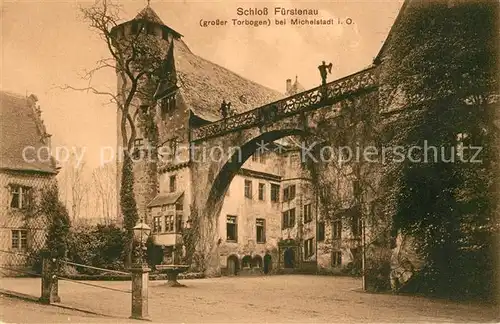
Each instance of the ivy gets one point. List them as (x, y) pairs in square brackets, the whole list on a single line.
[(58, 221), (443, 61)]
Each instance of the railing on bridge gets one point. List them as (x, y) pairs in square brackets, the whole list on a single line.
[(308, 100)]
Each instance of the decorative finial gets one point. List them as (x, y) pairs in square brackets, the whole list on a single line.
[(148, 2)]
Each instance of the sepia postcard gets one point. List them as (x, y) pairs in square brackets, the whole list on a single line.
[(302, 161)]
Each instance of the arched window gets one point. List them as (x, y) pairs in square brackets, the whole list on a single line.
[(246, 262)]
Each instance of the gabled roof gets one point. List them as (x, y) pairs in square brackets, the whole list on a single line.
[(20, 128), (166, 199), (204, 84)]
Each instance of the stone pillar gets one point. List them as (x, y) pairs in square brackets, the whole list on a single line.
[(140, 279), (50, 288)]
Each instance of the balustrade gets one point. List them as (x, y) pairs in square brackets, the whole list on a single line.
[(308, 100)]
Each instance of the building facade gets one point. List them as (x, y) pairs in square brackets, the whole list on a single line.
[(270, 213), (26, 168)]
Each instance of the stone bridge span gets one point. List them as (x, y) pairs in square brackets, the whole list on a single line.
[(294, 115)]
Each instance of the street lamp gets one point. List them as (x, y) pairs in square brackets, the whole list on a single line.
[(140, 273), (141, 234)]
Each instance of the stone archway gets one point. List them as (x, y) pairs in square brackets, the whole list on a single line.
[(257, 262), (295, 115), (215, 177), (246, 262)]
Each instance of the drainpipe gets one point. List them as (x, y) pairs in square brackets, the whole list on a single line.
[(316, 235), (300, 225)]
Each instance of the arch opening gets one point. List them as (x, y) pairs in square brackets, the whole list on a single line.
[(237, 159), (257, 261)]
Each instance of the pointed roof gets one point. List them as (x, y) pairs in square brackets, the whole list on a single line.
[(167, 84), (395, 25), (150, 15)]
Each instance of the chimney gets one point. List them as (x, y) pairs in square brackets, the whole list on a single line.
[(288, 85)]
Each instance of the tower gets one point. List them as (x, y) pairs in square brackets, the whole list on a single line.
[(141, 45)]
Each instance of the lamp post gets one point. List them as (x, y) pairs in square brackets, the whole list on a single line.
[(141, 235), (140, 273)]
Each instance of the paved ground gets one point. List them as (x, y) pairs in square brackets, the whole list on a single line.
[(291, 298)]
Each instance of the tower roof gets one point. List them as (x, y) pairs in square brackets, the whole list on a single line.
[(149, 14)]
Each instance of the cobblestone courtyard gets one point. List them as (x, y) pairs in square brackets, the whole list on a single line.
[(292, 298)]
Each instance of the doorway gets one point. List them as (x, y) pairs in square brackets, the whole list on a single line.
[(232, 265), (289, 258)]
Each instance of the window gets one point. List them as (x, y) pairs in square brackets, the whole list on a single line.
[(179, 207), (248, 189), (169, 223), (355, 188), (21, 197), (138, 146), (356, 226), (246, 262), (20, 239), (275, 192), (307, 213), (289, 193), (135, 27), (337, 229), (232, 229), (321, 231), (172, 183), (178, 223), (308, 248), (336, 258), (259, 156), (262, 189), (261, 230), (173, 148), (156, 224), (167, 105), (139, 142), (288, 219)]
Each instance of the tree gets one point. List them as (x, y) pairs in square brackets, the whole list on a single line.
[(138, 60), (74, 186), (58, 221), (104, 187), (443, 62)]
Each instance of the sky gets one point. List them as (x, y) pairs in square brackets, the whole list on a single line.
[(46, 45)]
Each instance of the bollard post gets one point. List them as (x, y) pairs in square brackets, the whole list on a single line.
[(50, 289), (140, 279)]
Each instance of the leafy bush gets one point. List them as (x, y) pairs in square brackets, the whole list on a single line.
[(99, 246)]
